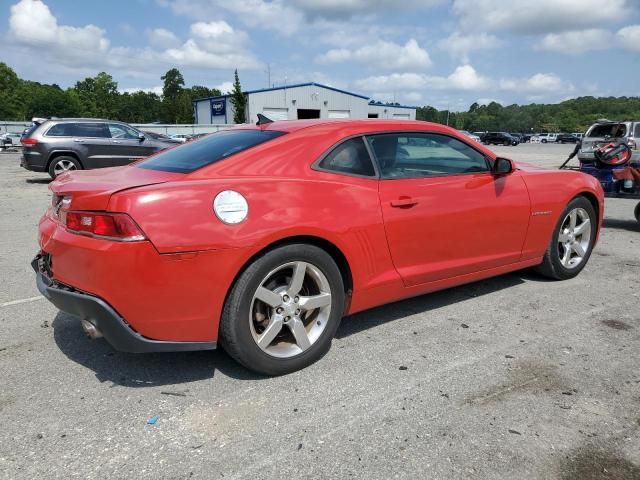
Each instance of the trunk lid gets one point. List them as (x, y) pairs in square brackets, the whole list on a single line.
[(92, 189)]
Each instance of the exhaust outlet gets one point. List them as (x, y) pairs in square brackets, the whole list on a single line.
[(90, 329)]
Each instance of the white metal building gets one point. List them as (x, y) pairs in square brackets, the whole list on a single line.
[(306, 100)]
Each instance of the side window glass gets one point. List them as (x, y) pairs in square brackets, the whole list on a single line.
[(122, 131), (350, 157), (415, 155), (636, 134), (88, 130), (59, 130)]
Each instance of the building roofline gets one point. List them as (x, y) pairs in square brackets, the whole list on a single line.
[(308, 84)]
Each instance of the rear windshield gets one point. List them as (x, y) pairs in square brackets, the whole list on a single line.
[(614, 130), (207, 150)]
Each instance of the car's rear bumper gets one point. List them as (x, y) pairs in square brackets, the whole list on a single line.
[(164, 297), (101, 316), (33, 160)]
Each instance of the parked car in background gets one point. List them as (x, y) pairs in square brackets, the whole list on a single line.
[(161, 137), (517, 136), (605, 132), (499, 138), (579, 136), (567, 138), (547, 137), (198, 135), (472, 136), (180, 137), (252, 238), (58, 145), (8, 140)]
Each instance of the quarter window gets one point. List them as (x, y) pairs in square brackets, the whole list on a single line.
[(415, 155), (350, 157), (60, 130)]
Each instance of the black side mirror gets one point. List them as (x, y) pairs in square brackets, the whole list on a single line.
[(502, 166), (141, 137)]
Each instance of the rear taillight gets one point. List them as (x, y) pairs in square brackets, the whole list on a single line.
[(112, 226), (28, 141)]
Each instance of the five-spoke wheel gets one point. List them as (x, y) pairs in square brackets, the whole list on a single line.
[(574, 238), (283, 310), (572, 241), (290, 309)]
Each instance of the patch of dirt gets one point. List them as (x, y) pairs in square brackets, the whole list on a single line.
[(591, 463), (524, 377)]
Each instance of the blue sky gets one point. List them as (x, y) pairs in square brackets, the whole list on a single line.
[(417, 52)]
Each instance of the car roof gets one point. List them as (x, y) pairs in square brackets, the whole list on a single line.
[(290, 126)]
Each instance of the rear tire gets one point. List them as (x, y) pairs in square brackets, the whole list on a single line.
[(266, 298), (637, 212), (63, 164), (571, 242)]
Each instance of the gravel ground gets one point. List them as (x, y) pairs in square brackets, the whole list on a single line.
[(513, 377)]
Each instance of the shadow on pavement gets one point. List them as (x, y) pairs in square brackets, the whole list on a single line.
[(617, 224), (157, 369), (42, 181), (141, 370), (431, 301)]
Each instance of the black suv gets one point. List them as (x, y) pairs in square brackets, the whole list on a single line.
[(499, 138), (62, 144), (566, 138)]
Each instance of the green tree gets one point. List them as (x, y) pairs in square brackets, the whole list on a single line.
[(238, 100), (98, 96), (10, 94), (173, 84)]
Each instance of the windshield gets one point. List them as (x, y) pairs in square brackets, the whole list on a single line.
[(614, 130), (208, 150)]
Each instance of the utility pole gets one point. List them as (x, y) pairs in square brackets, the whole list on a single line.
[(447, 113)]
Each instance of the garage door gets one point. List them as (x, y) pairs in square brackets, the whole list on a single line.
[(339, 113), (401, 116), (276, 113)]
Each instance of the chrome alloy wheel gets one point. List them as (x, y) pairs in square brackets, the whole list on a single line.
[(290, 309), (574, 238), (63, 166)]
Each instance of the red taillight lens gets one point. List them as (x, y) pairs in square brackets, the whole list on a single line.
[(28, 141), (115, 226)]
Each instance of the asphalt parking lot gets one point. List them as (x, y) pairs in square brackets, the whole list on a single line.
[(512, 377)]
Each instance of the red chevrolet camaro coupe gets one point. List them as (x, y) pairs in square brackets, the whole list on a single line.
[(262, 237)]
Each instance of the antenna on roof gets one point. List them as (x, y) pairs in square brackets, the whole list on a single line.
[(262, 120)]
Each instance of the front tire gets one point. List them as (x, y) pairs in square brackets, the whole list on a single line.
[(283, 310), (571, 242), (63, 164), (637, 212)]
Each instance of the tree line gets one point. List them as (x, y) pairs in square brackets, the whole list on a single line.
[(575, 115), (99, 97)]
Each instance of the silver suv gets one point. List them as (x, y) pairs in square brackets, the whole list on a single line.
[(606, 131), (62, 144)]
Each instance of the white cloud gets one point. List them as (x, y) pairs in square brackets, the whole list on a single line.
[(32, 24), (162, 38), (213, 45), (459, 45), (225, 87), (382, 55), (541, 16), (464, 78), (576, 42), (538, 83), (629, 37)]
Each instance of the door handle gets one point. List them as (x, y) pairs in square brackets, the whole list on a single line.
[(78, 140), (115, 141), (405, 202)]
